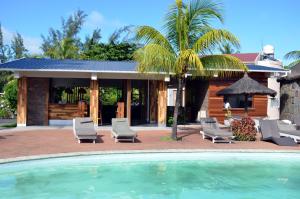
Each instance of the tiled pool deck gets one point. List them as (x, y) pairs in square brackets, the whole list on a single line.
[(44, 141)]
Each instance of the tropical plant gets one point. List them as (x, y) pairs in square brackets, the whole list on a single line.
[(293, 55), (244, 130), (10, 95), (186, 46), (227, 48)]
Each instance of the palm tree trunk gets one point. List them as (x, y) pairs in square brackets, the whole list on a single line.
[(176, 109)]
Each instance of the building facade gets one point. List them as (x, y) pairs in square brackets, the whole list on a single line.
[(53, 92)]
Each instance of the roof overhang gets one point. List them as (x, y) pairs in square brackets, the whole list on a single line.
[(90, 75)]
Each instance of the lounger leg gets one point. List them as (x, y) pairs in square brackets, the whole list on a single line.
[(79, 141), (213, 140), (94, 141), (116, 140)]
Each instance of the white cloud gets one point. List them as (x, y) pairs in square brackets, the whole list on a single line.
[(96, 20), (32, 44)]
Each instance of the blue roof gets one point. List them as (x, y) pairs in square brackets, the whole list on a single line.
[(68, 65), (36, 64), (258, 68)]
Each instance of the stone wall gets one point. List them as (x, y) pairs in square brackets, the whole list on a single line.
[(289, 100), (37, 102)]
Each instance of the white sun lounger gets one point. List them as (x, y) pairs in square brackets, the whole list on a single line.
[(211, 129), (83, 129)]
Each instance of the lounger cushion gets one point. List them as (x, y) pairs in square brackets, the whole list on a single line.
[(211, 128), (269, 129), (121, 128), (288, 129), (84, 127), (284, 141), (217, 132), (270, 132), (85, 131), (294, 132), (285, 127)]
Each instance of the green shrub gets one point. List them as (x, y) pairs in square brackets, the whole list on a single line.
[(10, 95), (170, 121), (4, 113), (244, 130)]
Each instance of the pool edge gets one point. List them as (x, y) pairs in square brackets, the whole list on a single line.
[(74, 154)]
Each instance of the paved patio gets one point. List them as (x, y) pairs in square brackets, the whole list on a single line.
[(43, 141)]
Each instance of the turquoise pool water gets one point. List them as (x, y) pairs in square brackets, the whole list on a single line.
[(175, 175)]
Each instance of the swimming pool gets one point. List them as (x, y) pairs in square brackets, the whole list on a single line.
[(155, 175)]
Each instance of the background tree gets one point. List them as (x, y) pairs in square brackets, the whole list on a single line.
[(65, 43), (294, 56), (5, 54), (118, 48), (122, 35), (3, 48), (10, 94), (186, 45), (17, 46), (227, 48)]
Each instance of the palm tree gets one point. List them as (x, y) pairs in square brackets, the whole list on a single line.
[(226, 48), (293, 55), (186, 45)]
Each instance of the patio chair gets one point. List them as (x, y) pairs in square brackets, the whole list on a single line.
[(211, 129), (289, 130), (121, 131), (270, 132), (83, 129)]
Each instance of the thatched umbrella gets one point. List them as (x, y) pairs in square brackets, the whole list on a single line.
[(247, 87)]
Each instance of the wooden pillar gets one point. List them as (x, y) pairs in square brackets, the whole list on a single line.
[(94, 101), (128, 100), (162, 104), (22, 102), (153, 101)]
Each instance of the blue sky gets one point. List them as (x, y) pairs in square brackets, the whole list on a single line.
[(254, 22)]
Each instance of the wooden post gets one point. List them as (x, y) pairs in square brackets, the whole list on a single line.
[(128, 101), (153, 101), (94, 101), (162, 104), (22, 102)]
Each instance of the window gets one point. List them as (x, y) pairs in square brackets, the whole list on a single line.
[(238, 101)]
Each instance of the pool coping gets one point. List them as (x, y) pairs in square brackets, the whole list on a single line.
[(74, 154)]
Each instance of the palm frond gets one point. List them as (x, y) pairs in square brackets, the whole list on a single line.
[(200, 13), (189, 60), (149, 35), (223, 65), (293, 55), (155, 58), (214, 38), (291, 65)]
